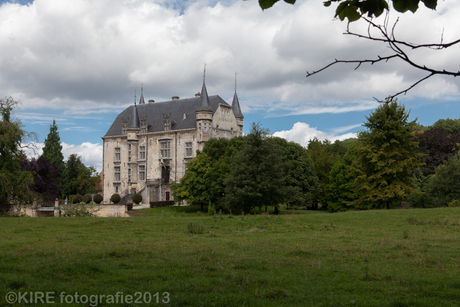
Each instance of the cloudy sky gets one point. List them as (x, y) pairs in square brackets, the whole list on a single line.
[(80, 61)]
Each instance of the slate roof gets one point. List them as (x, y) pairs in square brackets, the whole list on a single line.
[(153, 112), (236, 107), (134, 118)]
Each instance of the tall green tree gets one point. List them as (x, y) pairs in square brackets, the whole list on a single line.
[(340, 190), (452, 126), (300, 177), (256, 176), (13, 181), (53, 148), (78, 178), (387, 158), (203, 182)]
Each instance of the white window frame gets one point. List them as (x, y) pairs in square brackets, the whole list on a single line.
[(142, 172), (165, 149), (141, 152), (188, 149), (117, 154), (117, 174)]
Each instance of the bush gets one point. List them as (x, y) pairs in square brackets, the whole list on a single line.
[(454, 203), (115, 198), (211, 210), (76, 199), (137, 198), (98, 198), (129, 206), (87, 198), (78, 209)]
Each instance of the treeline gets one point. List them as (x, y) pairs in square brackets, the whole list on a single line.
[(45, 178), (394, 161)]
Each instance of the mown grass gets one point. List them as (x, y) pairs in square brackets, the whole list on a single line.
[(370, 258)]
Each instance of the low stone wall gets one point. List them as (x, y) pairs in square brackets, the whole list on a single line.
[(101, 210)]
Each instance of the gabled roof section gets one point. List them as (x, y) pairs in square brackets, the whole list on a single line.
[(183, 114), (236, 107), (205, 105)]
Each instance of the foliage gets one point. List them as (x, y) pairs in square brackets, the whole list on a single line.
[(76, 199), (444, 185), (14, 182), (437, 146), (203, 182), (387, 158), (300, 177), (325, 155), (98, 198), (420, 198), (78, 209), (78, 178), (256, 174), (195, 228), (87, 198), (354, 9), (452, 126), (340, 190), (53, 148), (137, 198), (454, 203), (115, 198), (162, 203), (211, 210), (45, 178)]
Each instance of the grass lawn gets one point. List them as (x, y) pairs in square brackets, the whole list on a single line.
[(362, 258)]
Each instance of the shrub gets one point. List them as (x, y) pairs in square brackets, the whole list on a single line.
[(454, 203), (87, 198), (137, 198), (98, 198), (129, 206), (211, 210), (115, 198), (77, 199), (78, 209)]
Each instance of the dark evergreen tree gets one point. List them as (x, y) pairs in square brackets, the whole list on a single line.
[(53, 148), (387, 158), (256, 176)]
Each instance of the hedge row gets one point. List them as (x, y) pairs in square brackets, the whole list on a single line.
[(163, 203)]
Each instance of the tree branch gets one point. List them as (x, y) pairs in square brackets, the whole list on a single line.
[(396, 46)]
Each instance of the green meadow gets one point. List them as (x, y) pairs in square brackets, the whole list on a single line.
[(407, 257)]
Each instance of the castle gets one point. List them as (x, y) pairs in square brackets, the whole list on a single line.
[(149, 144)]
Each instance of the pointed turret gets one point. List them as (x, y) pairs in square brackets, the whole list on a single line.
[(205, 105), (236, 107), (141, 100), (134, 122)]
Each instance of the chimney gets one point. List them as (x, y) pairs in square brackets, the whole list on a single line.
[(198, 94), (175, 98), (151, 101)]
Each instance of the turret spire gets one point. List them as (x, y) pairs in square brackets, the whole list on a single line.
[(141, 100)]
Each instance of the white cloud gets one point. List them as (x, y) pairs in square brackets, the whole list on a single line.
[(90, 153), (79, 55), (302, 133)]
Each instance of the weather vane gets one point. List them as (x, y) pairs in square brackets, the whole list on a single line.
[(204, 72), (235, 80)]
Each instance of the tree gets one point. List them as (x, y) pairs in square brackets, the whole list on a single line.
[(13, 181), (256, 176), (78, 178), (437, 146), (444, 186), (340, 192), (452, 126), (387, 158), (53, 148), (300, 177), (203, 182), (354, 10), (45, 178)]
